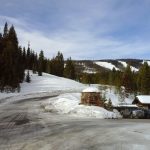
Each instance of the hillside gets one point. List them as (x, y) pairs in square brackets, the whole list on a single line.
[(96, 66), (43, 86), (63, 96)]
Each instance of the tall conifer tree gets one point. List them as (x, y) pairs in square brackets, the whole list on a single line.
[(41, 63), (127, 79), (144, 79), (5, 34), (69, 70)]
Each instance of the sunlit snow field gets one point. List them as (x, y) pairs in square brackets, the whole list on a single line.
[(67, 96)]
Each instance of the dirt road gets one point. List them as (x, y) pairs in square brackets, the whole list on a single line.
[(24, 125)]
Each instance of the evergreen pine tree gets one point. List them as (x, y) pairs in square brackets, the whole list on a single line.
[(12, 72), (144, 79), (57, 65), (13, 36), (24, 58), (48, 66), (41, 63), (112, 76), (20, 67), (1, 60), (60, 64), (28, 79), (5, 34), (109, 105), (69, 71), (28, 58), (127, 79)]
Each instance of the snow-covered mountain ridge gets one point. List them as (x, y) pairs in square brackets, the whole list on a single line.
[(95, 66)]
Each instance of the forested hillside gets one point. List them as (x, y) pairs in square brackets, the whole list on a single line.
[(133, 81), (14, 59), (133, 74)]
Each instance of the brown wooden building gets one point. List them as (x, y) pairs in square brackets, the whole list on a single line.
[(91, 96), (142, 101)]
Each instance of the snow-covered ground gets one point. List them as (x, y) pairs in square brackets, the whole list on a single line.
[(67, 96), (24, 124), (43, 86), (70, 104), (106, 65), (116, 97), (125, 65)]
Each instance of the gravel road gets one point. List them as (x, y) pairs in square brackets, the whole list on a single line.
[(24, 125)]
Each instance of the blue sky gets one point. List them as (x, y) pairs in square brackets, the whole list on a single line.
[(82, 29)]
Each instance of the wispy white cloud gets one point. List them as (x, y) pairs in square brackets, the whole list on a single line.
[(84, 29)]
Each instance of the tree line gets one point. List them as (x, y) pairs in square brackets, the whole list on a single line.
[(134, 82), (14, 60)]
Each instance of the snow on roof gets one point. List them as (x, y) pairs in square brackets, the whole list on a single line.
[(145, 99), (106, 65), (91, 89)]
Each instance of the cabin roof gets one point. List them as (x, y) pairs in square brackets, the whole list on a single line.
[(91, 90), (144, 99)]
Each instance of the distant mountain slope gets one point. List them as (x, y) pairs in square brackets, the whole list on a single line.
[(107, 65), (125, 64), (147, 62), (95, 66)]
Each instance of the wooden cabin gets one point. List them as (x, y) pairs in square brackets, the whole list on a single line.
[(91, 96), (142, 101)]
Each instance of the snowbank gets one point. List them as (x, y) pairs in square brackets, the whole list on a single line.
[(69, 104)]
